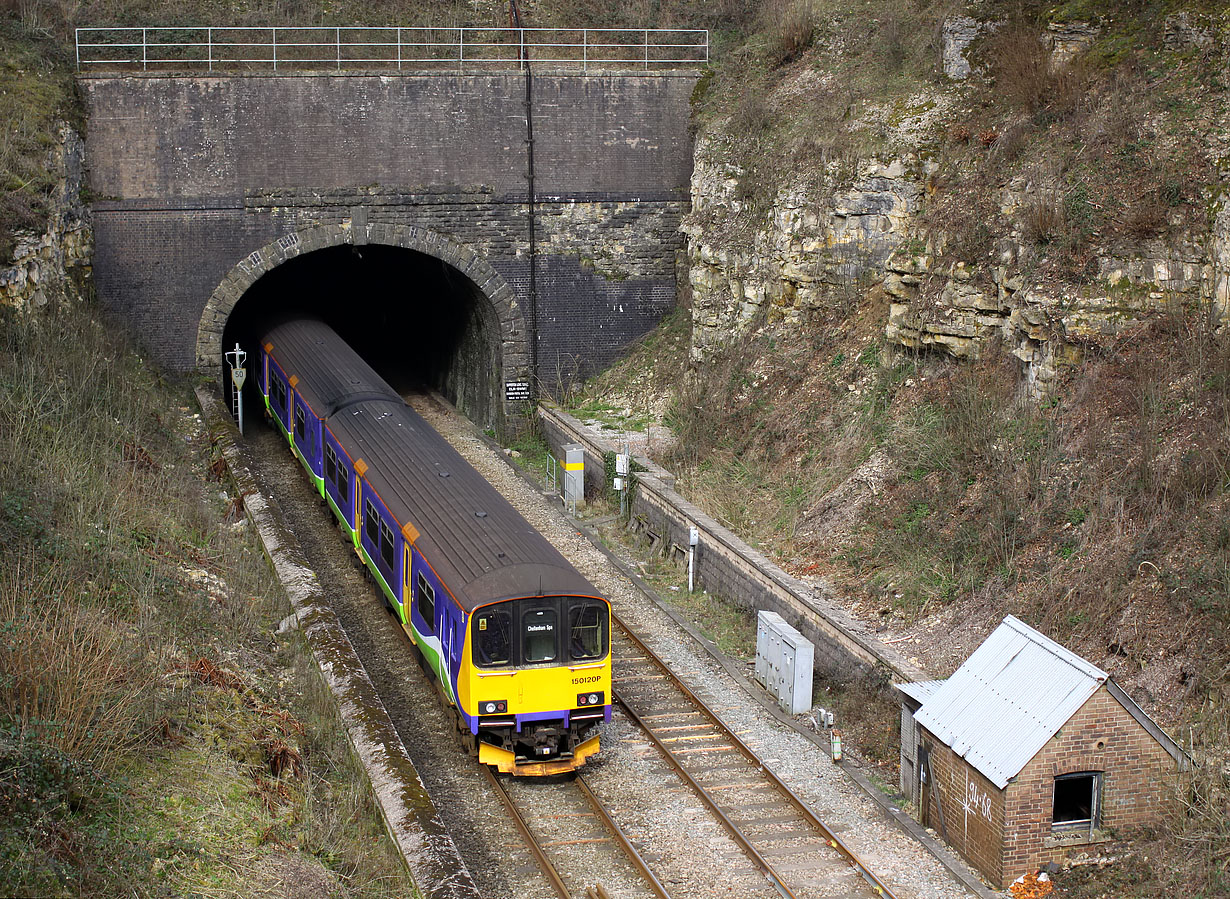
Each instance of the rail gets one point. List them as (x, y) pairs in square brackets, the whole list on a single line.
[(385, 48), (792, 799)]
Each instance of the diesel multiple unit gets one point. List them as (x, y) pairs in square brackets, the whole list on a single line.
[(516, 639)]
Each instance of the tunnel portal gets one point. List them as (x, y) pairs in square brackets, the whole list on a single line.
[(416, 319)]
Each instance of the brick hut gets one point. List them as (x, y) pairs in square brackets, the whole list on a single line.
[(1028, 752)]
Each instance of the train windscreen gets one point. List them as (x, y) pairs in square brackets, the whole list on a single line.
[(518, 633)]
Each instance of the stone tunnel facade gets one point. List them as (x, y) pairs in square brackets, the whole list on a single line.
[(201, 184)]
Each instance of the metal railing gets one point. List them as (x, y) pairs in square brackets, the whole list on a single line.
[(290, 49)]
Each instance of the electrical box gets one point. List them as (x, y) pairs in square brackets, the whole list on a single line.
[(784, 660)]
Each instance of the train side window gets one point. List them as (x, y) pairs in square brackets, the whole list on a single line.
[(300, 423), (330, 465), (425, 599), (587, 632), (492, 638), (343, 485), (371, 522), (538, 628), (386, 544), (279, 396)]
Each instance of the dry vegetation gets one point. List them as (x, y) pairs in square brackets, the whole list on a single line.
[(134, 759), (927, 490)]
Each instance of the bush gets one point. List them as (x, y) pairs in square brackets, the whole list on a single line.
[(792, 30), (1025, 76)]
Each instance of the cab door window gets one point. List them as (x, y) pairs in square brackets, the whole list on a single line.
[(587, 630), (492, 630)]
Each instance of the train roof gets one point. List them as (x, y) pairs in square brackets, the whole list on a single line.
[(327, 380), (470, 534), (479, 545)]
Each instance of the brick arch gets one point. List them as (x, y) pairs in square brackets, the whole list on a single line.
[(514, 358)]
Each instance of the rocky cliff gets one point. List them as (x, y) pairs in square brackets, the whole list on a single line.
[(815, 244), (45, 266)]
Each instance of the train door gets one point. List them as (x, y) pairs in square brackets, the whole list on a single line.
[(451, 651)]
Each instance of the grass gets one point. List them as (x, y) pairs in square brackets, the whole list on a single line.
[(728, 627), (134, 758)]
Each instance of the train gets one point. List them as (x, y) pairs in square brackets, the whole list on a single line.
[(516, 640)]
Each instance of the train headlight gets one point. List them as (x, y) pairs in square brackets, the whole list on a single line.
[(591, 698), (493, 706)]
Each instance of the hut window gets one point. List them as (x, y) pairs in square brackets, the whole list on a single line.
[(1077, 801)]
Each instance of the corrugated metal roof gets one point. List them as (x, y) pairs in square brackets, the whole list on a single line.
[(921, 690), (1008, 699)]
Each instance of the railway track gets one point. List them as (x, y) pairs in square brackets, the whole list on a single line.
[(662, 812), (566, 828), (782, 837)]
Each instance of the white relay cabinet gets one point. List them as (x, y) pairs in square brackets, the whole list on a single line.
[(783, 662)]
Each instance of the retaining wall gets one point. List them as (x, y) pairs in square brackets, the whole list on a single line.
[(728, 567)]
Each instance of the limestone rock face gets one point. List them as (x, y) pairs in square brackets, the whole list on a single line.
[(820, 245), (42, 262), (1219, 268), (956, 34), (812, 244), (1045, 325)]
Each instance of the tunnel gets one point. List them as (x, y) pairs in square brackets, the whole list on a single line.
[(417, 320)]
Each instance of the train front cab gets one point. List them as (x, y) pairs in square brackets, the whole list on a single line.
[(536, 682)]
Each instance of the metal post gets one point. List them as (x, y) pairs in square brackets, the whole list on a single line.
[(646, 50), (337, 39), (275, 49), (144, 52), (693, 540), (585, 50), (461, 49), (209, 40), (399, 48), (78, 36), (239, 375)]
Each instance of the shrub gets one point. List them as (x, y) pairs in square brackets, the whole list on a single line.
[(1044, 219), (1026, 78), (793, 30)]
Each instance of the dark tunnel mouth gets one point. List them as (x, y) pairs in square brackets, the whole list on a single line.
[(417, 320)]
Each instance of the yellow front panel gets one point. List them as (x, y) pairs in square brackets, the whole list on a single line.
[(530, 690)]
